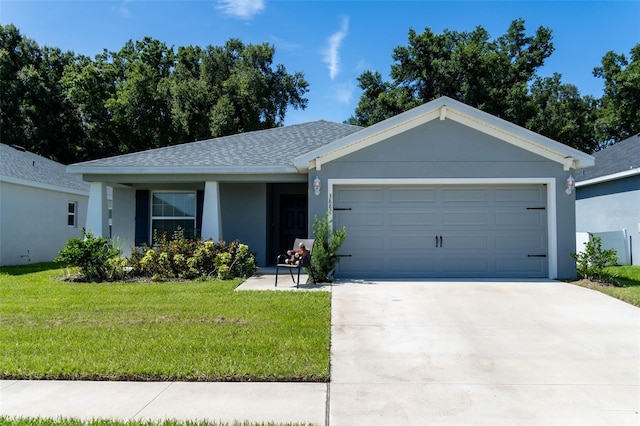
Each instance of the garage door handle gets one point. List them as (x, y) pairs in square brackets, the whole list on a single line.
[(441, 241), (536, 255), (438, 241)]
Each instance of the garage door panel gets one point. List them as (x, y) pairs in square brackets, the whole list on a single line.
[(466, 243), (465, 195), (413, 219), (521, 219), (360, 196), (361, 219), (412, 242), (412, 264), (423, 196), (525, 242), (455, 218), (474, 264), (519, 195), (525, 267), (363, 244)]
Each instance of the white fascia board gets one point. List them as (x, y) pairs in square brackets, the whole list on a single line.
[(46, 186), (607, 178)]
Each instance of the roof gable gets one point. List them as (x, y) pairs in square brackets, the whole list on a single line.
[(445, 108)]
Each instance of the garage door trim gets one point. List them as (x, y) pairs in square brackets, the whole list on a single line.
[(552, 242)]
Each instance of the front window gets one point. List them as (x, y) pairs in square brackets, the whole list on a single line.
[(72, 210), (173, 210)]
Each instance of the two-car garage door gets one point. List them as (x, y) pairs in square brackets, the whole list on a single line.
[(442, 230)]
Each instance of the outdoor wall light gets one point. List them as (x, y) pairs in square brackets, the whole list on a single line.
[(571, 183), (316, 185)]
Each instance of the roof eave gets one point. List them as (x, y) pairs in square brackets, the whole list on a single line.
[(179, 170), (609, 177)]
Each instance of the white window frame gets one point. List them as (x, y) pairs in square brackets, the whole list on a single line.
[(151, 215), (73, 214)]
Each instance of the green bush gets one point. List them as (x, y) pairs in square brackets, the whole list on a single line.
[(181, 257), (591, 263), (325, 249), (91, 254)]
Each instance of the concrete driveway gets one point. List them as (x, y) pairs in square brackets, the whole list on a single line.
[(452, 353)]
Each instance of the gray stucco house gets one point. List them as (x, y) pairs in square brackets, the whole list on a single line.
[(608, 199), (442, 190)]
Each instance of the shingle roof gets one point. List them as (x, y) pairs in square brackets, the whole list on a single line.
[(20, 164), (272, 147), (619, 157)]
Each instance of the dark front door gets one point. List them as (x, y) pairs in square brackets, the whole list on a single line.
[(293, 220)]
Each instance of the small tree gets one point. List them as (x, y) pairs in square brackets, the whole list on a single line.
[(325, 249), (91, 254), (591, 262)]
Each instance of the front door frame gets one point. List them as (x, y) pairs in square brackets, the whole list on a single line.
[(275, 193)]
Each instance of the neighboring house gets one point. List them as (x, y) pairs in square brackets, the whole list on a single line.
[(442, 190), (608, 199), (41, 206)]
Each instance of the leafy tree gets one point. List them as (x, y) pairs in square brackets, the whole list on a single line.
[(619, 113), (72, 108), (490, 75), (34, 111), (559, 112)]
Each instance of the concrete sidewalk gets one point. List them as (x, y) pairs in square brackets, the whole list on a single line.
[(223, 402)]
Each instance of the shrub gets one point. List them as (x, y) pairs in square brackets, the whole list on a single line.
[(181, 257), (591, 263), (91, 254), (325, 249)]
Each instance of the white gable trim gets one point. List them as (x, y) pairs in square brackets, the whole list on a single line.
[(446, 109), (552, 226)]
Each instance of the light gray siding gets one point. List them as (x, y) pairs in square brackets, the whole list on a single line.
[(33, 222)]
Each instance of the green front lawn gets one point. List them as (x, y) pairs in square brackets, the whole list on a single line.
[(188, 331), (627, 284)]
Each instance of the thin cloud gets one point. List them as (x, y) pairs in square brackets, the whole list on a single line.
[(343, 93), (243, 9), (123, 9), (332, 52)]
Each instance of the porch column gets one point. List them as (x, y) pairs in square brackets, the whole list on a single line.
[(98, 210), (211, 217)]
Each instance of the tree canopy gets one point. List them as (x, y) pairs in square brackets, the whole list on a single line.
[(72, 108), (499, 76)]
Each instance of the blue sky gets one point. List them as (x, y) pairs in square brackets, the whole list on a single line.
[(332, 42)]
